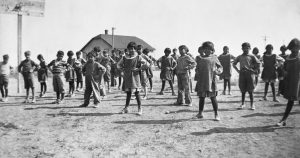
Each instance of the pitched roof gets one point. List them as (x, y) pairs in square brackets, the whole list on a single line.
[(120, 42)]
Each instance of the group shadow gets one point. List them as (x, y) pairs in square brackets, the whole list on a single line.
[(81, 114), (152, 121), (273, 114), (260, 129)]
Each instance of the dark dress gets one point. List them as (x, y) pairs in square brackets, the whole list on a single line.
[(43, 72), (78, 68), (106, 62), (131, 78), (280, 71), (70, 73), (269, 71), (207, 68), (225, 60), (166, 64), (291, 89)]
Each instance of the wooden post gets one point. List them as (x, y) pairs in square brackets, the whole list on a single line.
[(19, 47), (113, 40)]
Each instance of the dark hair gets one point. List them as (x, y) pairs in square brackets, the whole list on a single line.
[(131, 45), (174, 49), (294, 43), (183, 47), (269, 46), (255, 49), (146, 51), (5, 56), (208, 45), (91, 53), (40, 56), (167, 50), (27, 52), (104, 52), (97, 49), (78, 53), (60, 53), (70, 53), (225, 47), (139, 47), (246, 44)]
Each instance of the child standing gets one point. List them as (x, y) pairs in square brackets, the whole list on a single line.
[(270, 62), (107, 61), (280, 70), (291, 79), (70, 74), (184, 64), (58, 67), (93, 76), (79, 62), (42, 74), (249, 66), (175, 56), (143, 74), (4, 77), (149, 71), (208, 66), (27, 67), (226, 59), (255, 52), (114, 73), (131, 65), (167, 66), (120, 73)]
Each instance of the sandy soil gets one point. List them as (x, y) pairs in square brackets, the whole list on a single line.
[(50, 130)]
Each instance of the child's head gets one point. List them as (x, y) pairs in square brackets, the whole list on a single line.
[(131, 48), (200, 51), (246, 47), (225, 50), (60, 54), (167, 51), (5, 58), (174, 50), (294, 45), (183, 49), (70, 54), (146, 51), (91, 56), (269, 49), (40, 57), (283, 48), (255, 51), (78, 54), (114, 52), (97, 49), (208, 48), (27, 54), (139, 49), (105, 53)]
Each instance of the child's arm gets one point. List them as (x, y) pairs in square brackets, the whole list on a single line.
[(20, 67), (235, 63), (112, 60), (174, 64), (219, 66), (192, 63), (120, 64), (157, 62)]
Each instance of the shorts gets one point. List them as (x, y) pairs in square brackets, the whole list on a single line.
[(4, 81), (246, 81), (28, 80), (58, 82)]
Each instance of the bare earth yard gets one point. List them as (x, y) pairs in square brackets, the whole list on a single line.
[(43, 129)]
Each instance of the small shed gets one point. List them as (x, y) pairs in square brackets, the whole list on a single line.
[(105, 42)]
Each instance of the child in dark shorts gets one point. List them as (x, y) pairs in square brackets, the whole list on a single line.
[(249, 66), (27, 67), (42, 74), (79, 62), (71, 74), (4, 77)]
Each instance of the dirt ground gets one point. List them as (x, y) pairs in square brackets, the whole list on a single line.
[(50, 130)]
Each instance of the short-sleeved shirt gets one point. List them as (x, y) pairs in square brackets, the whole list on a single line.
[(4, 69), (58, 66), (225, 60), (183, 62), (27, 65), (247, 62)]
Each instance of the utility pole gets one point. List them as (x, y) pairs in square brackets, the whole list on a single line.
[(113, 40), (265, 38)]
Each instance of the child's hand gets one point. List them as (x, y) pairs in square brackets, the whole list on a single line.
[(135, 70)]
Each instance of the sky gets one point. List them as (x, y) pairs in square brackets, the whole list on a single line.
[(70, 24)]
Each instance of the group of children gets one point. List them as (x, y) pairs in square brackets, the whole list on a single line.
[(134, 66)]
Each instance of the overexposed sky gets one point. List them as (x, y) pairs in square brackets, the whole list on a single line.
[(70, 24)]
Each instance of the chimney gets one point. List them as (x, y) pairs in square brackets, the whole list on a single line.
[(106, 32)]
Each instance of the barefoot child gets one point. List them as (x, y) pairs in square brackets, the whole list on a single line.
[(107, 61), (93, 76), (184, 64), (4, 77), (167, 66), (149, 71), (58, 67), (175, 56), (208, 66), (270, 62), (280, 70), (131, 66), (226, 60), (249, 66), (79, 62), (143, 74), (113, 70), (255, 52), (42, 74), (70, 74), (27, 67), (292, 78)]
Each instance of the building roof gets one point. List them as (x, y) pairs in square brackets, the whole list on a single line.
[(104, 41)]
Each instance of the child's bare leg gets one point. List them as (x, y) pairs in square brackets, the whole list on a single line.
[(251, 101), (201, 107), (138, 99), (229, 86), (214, 103), (243, 101), (108, 87), (171, 85), (266, 91), (162, 87), (6, 92), (288, 109), (191, 85), (33, 93), (2, 91), (151, 84), (146, 92), (225, 85), (274, 92)]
